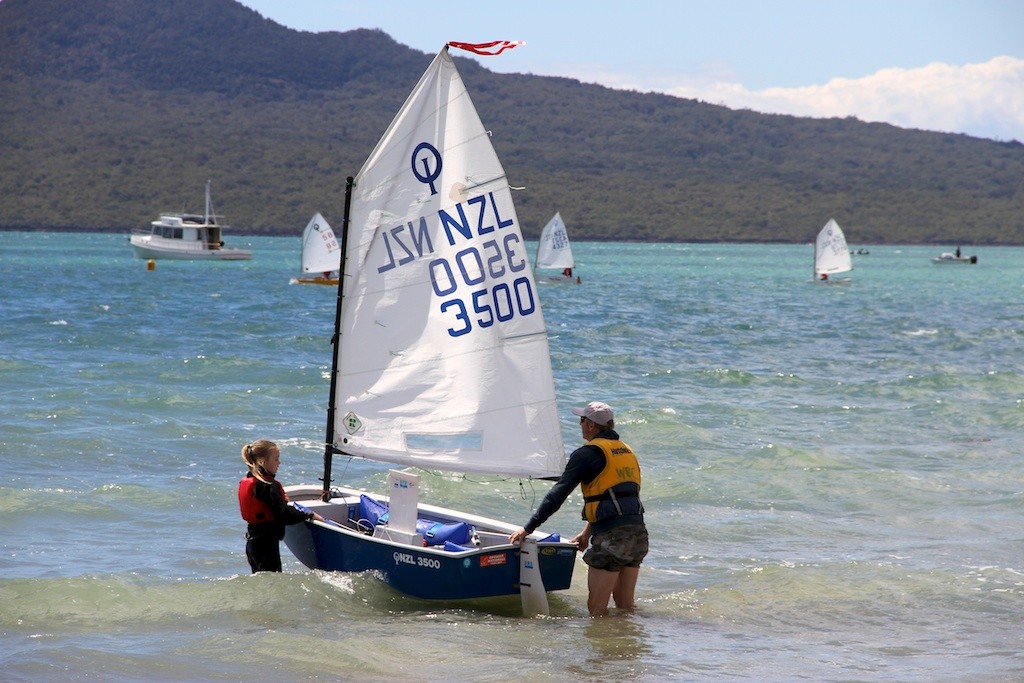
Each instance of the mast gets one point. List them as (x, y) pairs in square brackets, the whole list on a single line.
[(329, 448), (540, 245), (206, 213)]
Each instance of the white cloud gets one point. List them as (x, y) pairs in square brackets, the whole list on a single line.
[(983, 100)]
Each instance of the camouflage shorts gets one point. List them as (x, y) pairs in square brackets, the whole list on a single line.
[(623, 546)]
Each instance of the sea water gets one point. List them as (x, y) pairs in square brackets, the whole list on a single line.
[(832, 473)]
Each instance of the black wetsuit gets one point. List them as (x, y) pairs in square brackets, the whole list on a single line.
[(262, 546)]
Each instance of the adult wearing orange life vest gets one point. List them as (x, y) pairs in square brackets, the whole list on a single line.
[(615, 537), (264, 505)]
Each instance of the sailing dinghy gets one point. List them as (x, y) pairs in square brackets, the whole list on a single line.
[(831, 255), (440, 362), (553, 250), (321, 253)]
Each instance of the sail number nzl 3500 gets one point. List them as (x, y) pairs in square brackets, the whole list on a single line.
[(409, 558), (498, 300)]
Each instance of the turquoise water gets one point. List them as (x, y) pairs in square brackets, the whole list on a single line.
[(832, 474)]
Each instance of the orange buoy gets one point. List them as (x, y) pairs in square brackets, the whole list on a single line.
[(151, 264)]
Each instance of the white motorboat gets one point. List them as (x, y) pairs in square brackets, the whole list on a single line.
[(956, 257), (186, 236)]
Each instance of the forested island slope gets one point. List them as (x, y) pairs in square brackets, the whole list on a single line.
[(115, 110)]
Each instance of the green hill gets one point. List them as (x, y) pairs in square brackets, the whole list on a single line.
[(115, 110)]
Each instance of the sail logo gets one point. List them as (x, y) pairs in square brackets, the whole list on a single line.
[(352, 423), (425, 153)]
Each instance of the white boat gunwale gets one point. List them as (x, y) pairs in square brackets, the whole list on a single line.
[(492, 534)]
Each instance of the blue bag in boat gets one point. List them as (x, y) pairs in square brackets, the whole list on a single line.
[(436, 533), (373, 511), (455, 547)]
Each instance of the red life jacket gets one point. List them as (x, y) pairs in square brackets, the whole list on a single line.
[(253, 509)]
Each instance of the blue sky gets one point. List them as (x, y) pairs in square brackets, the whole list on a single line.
[(946, 65)]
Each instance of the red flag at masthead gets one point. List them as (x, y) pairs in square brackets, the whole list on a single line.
[(495, 47)]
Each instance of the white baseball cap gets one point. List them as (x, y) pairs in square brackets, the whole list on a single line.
[(596, 412)]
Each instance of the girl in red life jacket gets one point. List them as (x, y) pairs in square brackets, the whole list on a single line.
[(265, 507)]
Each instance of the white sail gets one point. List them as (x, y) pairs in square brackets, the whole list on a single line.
[(831, 254), (320, 250), (443, 358), (554, 250)]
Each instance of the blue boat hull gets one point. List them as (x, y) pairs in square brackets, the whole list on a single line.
[(428, 573)]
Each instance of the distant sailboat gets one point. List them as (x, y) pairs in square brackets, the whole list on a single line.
[(553, 251), (831, 255), (321, 253)]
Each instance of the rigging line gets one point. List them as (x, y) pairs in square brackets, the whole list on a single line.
[(533, 493)]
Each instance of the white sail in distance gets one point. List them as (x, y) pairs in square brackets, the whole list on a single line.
[(831, 255), (554, 250), (320, 250)]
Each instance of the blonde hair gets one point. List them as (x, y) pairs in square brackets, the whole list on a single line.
[(254, 454)]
